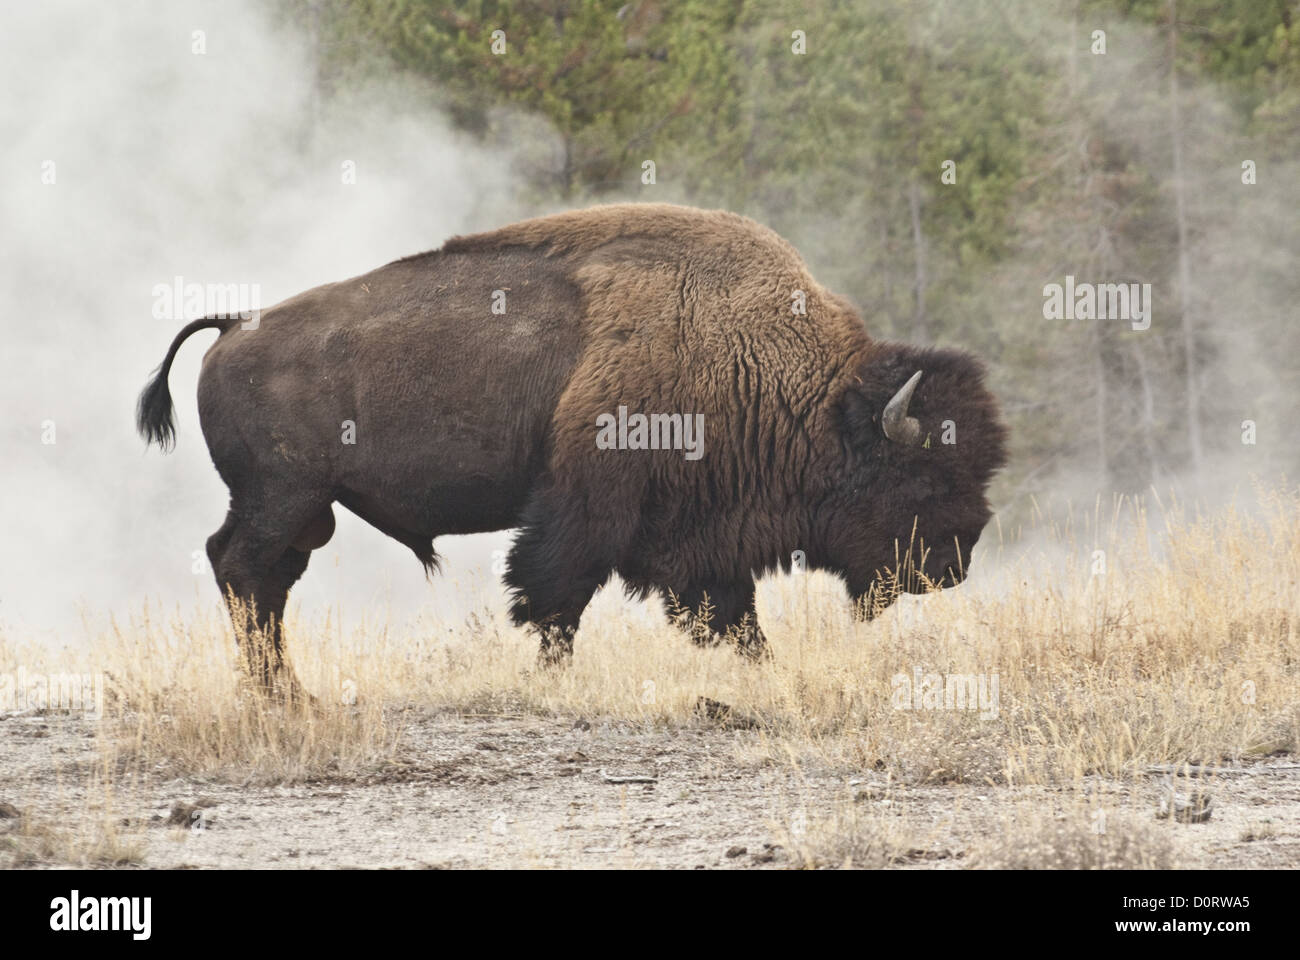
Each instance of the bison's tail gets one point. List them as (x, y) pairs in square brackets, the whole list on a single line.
[(153, 412)]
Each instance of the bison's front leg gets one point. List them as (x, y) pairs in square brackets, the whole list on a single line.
[(552, 613), (872, 596), (712, 615), (552, 572), (556, 647)]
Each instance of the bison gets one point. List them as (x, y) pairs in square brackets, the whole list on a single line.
[(647, 389)]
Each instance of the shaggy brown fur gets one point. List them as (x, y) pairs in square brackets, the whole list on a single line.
[(468, 420)]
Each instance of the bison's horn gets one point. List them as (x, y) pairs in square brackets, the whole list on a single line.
[(898, 426)]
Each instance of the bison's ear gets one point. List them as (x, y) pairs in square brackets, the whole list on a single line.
[(859, 417)]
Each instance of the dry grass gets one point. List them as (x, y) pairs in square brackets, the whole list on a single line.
[(1076, 840), (79, 833), (873, 835), (1258, 830), (1185, 648)]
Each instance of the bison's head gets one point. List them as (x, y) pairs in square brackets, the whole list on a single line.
[(921, 438)]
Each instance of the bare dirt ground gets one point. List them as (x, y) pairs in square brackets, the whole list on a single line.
[(529, 791)]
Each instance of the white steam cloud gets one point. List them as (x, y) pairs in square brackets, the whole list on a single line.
[(219, 167)]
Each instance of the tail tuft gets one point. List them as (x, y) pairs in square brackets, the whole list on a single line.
[(153, 411)]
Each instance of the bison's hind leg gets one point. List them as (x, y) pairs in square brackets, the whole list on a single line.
[(256, 558), (719, 613)]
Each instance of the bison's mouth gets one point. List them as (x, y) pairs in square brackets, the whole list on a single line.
[(948, 565), (940, 574), (938, 567)]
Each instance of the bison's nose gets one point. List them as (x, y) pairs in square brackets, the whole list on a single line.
[(947, 568), (939, 570), (957, 561), (945, 571)]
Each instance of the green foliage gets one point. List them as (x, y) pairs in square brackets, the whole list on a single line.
[(1062, 159)]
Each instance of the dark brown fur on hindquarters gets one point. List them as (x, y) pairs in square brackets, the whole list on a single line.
[(463, 419)]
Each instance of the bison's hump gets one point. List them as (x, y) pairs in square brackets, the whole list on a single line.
[(680, 227)]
